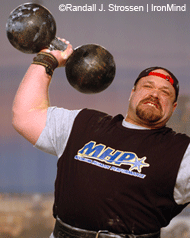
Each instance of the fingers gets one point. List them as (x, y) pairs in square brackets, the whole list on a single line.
[(61, 56), (65, 54)]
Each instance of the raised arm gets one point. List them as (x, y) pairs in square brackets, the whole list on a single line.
[(32, 98)]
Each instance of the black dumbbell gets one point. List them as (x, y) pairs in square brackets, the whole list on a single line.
[(31, 28)]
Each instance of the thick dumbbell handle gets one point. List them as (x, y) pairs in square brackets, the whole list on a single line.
[(57, 44)]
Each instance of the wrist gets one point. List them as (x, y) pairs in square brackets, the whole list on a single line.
[(47, 60)]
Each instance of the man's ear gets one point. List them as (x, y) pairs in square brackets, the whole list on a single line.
[(132, 91), (174, 106)]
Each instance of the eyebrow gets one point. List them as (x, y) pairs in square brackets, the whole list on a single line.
[(163, 87), (151, 82)]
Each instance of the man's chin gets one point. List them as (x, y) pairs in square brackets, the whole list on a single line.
[(148, 116)]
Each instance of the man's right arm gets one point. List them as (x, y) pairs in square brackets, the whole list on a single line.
[(32, 98)]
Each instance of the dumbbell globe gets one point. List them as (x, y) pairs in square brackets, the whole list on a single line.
[(30, 28), (90, 69)]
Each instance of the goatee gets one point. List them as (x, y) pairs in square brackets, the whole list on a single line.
[(151, 114)]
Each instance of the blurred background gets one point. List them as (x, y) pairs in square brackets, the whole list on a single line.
[(137, 40)]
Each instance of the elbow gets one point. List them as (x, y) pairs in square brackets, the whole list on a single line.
[(21, 125), (19, 119), (14, 119), (17, 122), (29, 124)]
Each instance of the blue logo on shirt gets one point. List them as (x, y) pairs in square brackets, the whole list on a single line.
[(92, 153)]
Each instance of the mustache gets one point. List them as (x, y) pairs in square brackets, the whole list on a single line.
[(153, 100)]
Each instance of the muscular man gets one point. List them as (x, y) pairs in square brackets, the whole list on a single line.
[(116, 176)]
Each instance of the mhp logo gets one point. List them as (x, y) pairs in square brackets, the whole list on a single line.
[(112, 157)]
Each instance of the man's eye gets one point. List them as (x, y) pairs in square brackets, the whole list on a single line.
[(147, 86), (166, 92)]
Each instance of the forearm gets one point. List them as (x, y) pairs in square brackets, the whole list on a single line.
[(31, 102)]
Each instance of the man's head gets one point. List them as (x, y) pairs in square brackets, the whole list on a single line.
[(169, 77), (153, 98)]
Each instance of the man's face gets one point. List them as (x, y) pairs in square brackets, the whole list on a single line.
[(152, 101)]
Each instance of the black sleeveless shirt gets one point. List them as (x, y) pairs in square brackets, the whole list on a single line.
[(118, 179)]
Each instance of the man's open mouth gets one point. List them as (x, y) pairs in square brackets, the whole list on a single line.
[(152, 104)]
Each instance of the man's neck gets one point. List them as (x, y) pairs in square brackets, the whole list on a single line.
[(140, 123)]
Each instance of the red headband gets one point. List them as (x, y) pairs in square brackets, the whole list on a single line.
[(167, 77)]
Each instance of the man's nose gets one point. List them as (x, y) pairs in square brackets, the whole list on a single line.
[(155, 93)]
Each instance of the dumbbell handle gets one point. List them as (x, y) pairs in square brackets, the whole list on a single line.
[(57, 44)]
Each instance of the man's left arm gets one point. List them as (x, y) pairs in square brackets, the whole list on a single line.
[(182, 187)]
